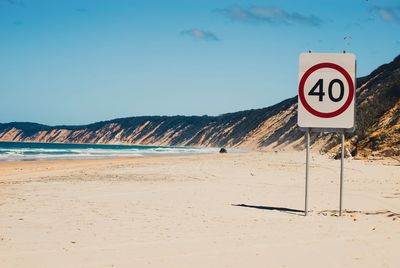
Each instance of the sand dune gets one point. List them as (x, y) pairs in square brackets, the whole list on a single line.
[(234, 210)]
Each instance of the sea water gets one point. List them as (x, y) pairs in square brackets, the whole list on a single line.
[(20, 151)]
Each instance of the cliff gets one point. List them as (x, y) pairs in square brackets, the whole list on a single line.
[(230, 130), (274, 127)]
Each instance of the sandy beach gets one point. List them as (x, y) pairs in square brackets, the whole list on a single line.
[(219, 210)]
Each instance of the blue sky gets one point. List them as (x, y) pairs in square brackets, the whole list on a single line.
[(76, 62)]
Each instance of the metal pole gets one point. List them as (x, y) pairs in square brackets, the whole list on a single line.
[(341, 175), (307, 166)]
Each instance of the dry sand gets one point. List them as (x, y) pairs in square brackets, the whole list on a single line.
[(234, 210)]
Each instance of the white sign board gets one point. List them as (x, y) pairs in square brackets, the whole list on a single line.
[(326, 90)]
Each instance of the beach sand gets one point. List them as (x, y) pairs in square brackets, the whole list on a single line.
[(221, 210)]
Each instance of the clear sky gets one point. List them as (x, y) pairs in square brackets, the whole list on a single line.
[(80, 61)]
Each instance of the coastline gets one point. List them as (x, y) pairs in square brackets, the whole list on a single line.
[(21, 151), (214, 210)]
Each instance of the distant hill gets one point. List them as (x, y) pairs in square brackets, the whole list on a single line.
[(224, 130), (274, 127)]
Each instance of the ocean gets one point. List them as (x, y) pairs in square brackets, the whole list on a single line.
[(21, 151)]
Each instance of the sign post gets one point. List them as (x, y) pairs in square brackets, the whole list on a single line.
[(341, 175), (307, 166), (326, 100)]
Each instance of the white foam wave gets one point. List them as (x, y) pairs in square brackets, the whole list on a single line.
[(21, 154)]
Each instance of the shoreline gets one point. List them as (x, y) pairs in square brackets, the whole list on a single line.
[(17, 151), (389, 160)]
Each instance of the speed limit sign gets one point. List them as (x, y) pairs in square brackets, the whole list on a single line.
[(326, 90)]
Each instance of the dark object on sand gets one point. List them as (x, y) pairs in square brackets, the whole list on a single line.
[(223, 151)]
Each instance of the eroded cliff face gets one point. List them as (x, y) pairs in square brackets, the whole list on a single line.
[(231, 130), (377, 132)]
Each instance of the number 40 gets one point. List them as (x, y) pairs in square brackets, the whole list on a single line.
[(318, 90)]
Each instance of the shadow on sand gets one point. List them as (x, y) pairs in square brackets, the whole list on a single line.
[(280, 209)]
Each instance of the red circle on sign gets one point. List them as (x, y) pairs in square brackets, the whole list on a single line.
[(340, 70)]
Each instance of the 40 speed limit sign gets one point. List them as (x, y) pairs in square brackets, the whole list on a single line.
[(326, 90)]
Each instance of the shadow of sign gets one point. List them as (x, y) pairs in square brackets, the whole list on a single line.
[(280, 209)]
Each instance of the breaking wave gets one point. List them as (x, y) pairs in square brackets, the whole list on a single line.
[(20, 151)]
